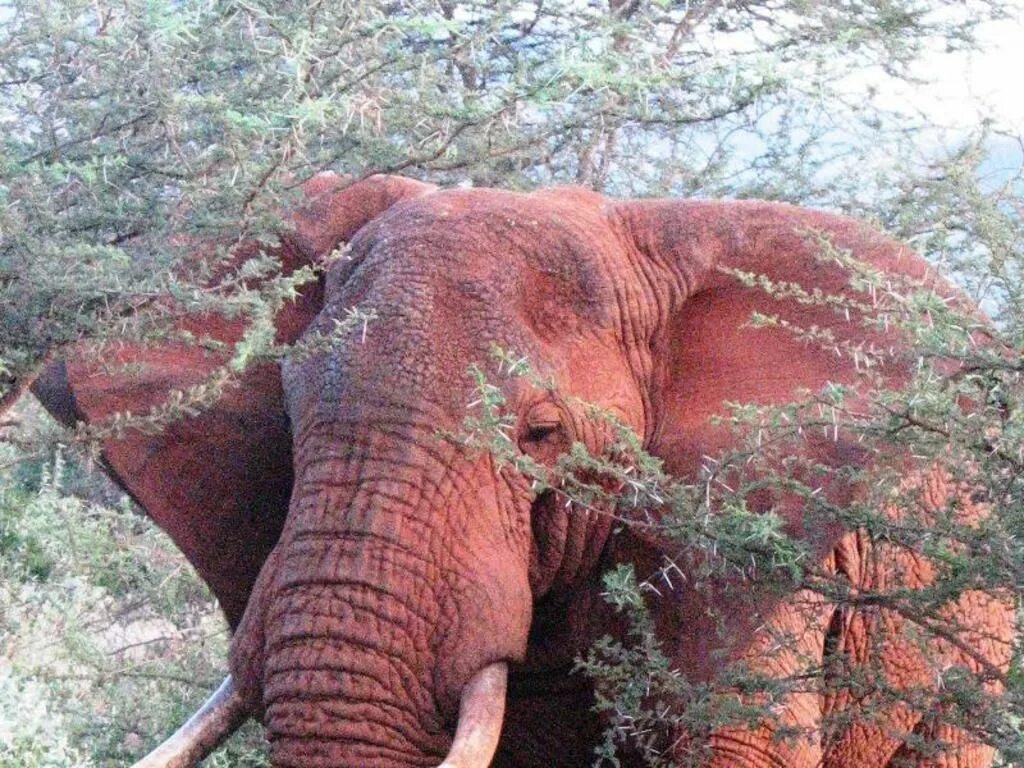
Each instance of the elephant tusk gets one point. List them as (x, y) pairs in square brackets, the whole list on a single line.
[(220, 716), (480, 716)]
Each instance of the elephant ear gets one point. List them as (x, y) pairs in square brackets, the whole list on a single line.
[(217, 482), (708, 353)]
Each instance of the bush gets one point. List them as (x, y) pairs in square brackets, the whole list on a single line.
[(100, 612)]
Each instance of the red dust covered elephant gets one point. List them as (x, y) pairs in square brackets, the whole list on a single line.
[(396, 597)]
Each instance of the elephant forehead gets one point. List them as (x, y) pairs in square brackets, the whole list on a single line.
[(526, 259), (451, 274)]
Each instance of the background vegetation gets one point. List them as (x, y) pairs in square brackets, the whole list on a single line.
[(132, 129)]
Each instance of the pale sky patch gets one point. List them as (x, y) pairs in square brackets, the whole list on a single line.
[(962, 88)]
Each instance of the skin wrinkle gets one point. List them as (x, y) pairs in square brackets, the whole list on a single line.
[(420, 570), (363, 480), (355, 537), (346, 589), (385, 681), (288, 685), (566, 542), (321, 636), (339, 582), (285, 685), (427, 483), (655, 293), (371, 741), (315, 637), (374, 541), (330, 594), (654, 264), (390, 425), (320, 720), (402, 468), (360, 690), (310, 650), (439, 452), (368, 733), (385, 409), (316, 755), (389, 680)]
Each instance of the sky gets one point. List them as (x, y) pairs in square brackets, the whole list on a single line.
[(991, 77), (963, 88), (952, 96)]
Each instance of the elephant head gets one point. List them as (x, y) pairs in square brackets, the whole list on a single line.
[(379, 576)]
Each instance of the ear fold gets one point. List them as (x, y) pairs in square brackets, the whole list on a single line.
[(218, 483), (707, 351)]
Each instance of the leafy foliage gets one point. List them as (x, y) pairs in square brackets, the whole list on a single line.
[(137, 130), (97, 613)]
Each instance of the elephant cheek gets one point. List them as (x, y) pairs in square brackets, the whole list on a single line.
[(246, 659), (549, 529), (567, 543), (486, 619)]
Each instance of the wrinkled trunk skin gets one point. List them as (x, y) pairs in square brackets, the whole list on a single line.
[(343, 674), (379, 603)]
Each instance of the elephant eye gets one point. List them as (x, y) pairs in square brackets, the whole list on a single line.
[(544, 433), (538, 431)]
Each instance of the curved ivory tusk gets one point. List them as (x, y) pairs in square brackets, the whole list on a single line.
[(480, 715), (219, 717)]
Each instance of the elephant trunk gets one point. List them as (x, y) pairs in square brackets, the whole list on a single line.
[(378, 641), (481, 716), (343, 677), (366, 701), (481, 712)]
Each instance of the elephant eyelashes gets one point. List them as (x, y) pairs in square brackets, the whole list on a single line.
[(544, 439), (541, 432), (545, 435)]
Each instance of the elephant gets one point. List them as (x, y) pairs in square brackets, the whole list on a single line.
[(399, 599)]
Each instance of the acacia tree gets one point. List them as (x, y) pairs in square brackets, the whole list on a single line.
[(135, 130)]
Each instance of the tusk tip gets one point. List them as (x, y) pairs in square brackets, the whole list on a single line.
[(481, 713)]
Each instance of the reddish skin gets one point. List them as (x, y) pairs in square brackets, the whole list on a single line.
[(405, 564)]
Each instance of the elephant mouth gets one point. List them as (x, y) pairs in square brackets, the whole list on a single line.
[(481, 714)]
